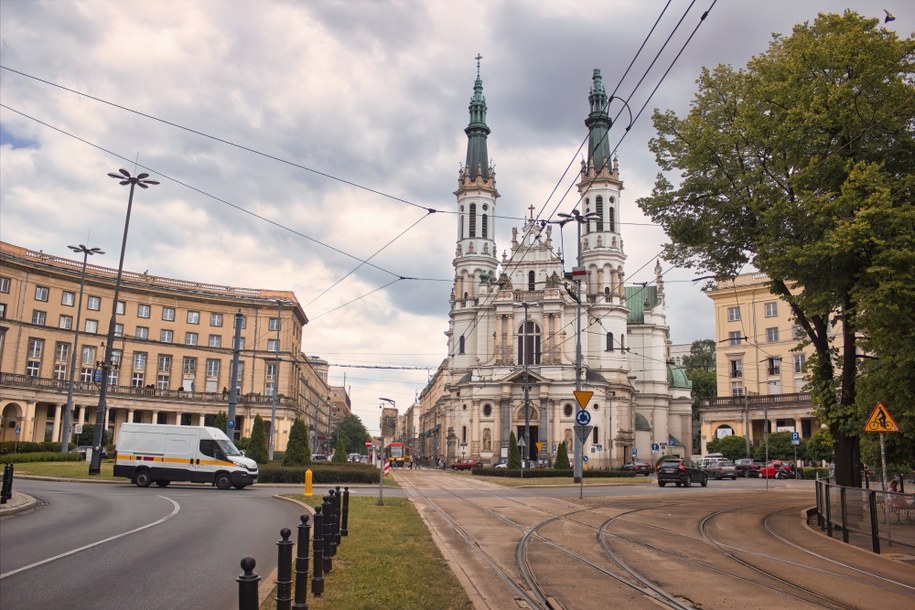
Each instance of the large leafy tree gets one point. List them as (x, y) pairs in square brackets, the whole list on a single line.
[(700, 369), (353, 433), (801, 165), (732, 447)]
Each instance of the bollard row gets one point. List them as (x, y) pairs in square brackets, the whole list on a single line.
[(325, 529)]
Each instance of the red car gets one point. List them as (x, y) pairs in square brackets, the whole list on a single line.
[(777, 470), (465, 465)]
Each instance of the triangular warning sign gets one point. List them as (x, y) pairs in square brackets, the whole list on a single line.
[(583, 397), (881, 420)]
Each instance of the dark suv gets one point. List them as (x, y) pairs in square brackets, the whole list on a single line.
[(681, 471)]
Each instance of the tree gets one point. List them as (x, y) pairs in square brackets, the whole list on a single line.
[(732, 446), (257, 448), (780, 447), (800, 165), (353, 433), (298, 452), (221, 422), (339, 451), (87, 436), (819, 446), (562, 458), (700, 370), (514, 453)]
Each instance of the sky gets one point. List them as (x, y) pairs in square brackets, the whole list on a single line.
[(315, 146)]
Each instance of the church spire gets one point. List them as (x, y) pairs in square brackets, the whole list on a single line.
[(598, 124), (477, 155)]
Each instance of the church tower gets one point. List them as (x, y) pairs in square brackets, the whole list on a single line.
[(475, 259)]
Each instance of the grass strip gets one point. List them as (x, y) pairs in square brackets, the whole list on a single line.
[(389, 560)]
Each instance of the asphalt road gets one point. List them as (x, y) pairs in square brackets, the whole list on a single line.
[(92, 545)]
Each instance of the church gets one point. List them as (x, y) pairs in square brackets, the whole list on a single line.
[(527, 330)]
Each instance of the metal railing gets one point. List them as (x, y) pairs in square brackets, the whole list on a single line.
[(869, 518)]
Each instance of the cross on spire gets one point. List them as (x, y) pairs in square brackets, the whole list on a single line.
[(531, 208), (478, 58)]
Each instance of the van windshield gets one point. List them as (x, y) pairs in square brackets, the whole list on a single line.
[(228, 447)]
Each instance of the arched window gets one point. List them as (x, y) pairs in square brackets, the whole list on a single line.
[(487, 410), (485, 227), (611, 220), (463, 435), (599, 208), (595, 437), (529, 343), (461, 344), (567, 410), (461, 224), (473, 220), (609, 342), (623, 342), (530, 280)]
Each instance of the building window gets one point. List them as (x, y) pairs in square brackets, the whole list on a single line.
[(487, 410), (67, 298), (61, 352), (41, 293), (39, 318), (567, 410), (735, 338), (473, 220), (118, 329), (609, 342), (116, 357), (529, 343), (87, 355), (92, 326), (190, 338), (772, 335), (94, 303), (733, 314), (162, 382), (139, 361), (65, 322), (799, 361), (531, 280), (36, 348), (60, 372), (461, 344), (138, 380), (272, 345), (142, 332), (33, 368), (270, 379), (215, 341), (213, 367), (2, 311), (86, 374), (736, 388), (736, 368), (273, 324), (611, 219), (165, 363), (189, 367), (193, 317), (241, 343), (143, 311), (771, 309), (775, 366), (215, 319), (166, 335), (5, 285), (623, 342), (121, 308), (168, 314), (484, 220)]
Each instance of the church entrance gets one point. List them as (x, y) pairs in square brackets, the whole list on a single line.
[(530, 452)]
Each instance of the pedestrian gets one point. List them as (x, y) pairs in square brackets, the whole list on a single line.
[(894, 486)]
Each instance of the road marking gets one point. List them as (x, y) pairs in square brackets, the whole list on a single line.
[(94, 544)]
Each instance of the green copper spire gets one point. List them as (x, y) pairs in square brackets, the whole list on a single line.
[(598, 124), (477, 155)]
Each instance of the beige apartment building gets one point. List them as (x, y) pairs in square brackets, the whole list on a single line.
[(171, 358), (760, 371)]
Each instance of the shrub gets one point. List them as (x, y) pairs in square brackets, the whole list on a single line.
[(27, 447), (42, 456), (298, 452), (562, 458), (257, 448), (321, 475)]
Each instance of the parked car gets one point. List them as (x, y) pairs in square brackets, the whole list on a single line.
[(637, 468), (722, 469), (465, 465), (681, 471), (776, 469), (319, 457), (741, 466), (84, 449), (354, 458), (753, 471)]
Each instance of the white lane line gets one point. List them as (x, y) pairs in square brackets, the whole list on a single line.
[(174, 512)]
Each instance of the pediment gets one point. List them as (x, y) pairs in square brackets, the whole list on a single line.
[(518, 377)]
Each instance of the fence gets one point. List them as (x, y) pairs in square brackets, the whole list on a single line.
[(869, 518), (327, 527)]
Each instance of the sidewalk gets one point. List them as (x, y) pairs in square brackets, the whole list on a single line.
[(18, 503)]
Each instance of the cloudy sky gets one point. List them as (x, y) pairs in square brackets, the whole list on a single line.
[(301, 145)]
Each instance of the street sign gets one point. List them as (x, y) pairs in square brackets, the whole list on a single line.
[(582, 432), (673, 442), (583, 397), (655, 447), (583, 418), (17, 431), (597, 447), (663, 445), (881, 420), (635, 453), (584, 458), (231, 423), (368, 443), (795, 438), (78, 428)]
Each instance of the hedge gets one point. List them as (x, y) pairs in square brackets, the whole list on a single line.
[(321, 474), (42, 456), (545, 473), (27, 447)]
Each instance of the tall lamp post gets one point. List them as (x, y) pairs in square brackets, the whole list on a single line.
[(65, 441), (276, 373), (578, 272), (124, 178)]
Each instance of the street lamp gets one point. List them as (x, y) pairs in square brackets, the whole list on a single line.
[(276, 374), (124, 178), (65, 444), (526, 355), (577, 272)]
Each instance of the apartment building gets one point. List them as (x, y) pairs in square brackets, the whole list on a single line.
[(760, 369), (171, 358)]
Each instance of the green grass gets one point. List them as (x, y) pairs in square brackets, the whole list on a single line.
[(67, 470), (389, 560)]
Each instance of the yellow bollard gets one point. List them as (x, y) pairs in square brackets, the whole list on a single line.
[(308, 476)]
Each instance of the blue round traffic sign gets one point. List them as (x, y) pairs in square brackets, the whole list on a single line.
[(583, 418)]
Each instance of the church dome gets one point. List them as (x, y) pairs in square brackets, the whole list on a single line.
[(676, 377)]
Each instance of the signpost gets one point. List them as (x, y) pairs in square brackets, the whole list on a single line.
[(582, 432), (881, 421), (583, 418)]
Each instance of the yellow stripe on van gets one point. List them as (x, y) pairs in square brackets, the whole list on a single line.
[(141, 458)]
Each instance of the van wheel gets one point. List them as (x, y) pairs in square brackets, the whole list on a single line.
[(163, 483), (142, 478), (223, 481)]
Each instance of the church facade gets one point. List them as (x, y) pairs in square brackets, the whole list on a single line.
[(519, 320)]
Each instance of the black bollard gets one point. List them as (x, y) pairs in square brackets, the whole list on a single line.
[(6, 490), (301, 565), (247, 586), (317, 575), (338, 518), (328, 535), (344, 531), (284, 570)]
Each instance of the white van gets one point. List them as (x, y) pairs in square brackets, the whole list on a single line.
[(148, 453)]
